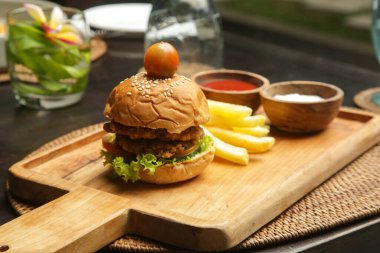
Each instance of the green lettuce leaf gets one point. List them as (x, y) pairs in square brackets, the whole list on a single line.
[(129, 170)]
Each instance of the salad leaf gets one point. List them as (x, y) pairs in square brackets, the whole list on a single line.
[(22, 88), (126, 171), (26, 44), (21, 29), (150, 163), (129, 170)]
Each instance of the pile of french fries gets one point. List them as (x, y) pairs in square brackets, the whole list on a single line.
[(236, 132)]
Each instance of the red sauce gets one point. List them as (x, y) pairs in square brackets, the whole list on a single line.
[(229, 85)]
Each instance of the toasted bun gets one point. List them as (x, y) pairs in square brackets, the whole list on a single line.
[(172, 173), (174, 104)]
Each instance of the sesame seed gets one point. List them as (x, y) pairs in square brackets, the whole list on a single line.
[(172, 84), (165, 94), (133, 85), (143, 93), (140, 89), (129, 93), (154, 85), (147, 86), (146, 95), (171, 91)]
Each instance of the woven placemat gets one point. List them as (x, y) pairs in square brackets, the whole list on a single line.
[(98, 49), (351, 194)]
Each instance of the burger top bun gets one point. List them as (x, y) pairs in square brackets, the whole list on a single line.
[(174, 104)]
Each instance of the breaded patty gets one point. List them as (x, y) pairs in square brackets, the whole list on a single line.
[(191, 133), (165, 149)]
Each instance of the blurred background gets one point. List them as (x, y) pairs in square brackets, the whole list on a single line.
[(341, 25), (344, 19)]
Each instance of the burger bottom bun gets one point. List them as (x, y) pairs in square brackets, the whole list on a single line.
[(172, 173)]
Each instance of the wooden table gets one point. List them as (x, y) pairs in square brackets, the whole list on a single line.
[(275, 55)]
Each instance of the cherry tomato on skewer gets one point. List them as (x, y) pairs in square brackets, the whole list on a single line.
[(161, 60)]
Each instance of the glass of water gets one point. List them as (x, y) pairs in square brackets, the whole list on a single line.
[(375, 30), (193, 28), (48, 55)]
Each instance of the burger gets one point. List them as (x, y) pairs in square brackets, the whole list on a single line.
[(154, 131)]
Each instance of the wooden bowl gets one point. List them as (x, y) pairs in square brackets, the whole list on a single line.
[(301, 117), (249, 98)]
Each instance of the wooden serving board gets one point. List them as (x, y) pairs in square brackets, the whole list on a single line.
[(88, 208)]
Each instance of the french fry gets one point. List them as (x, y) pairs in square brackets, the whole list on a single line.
[(236, 132), (258, 131), (248, 121), (229, 152), (251, 143), (228, 110)]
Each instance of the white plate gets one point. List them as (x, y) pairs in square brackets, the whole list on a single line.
[(120, 17)]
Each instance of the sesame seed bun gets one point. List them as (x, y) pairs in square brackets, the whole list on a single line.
[(178, 172), (174, 104)]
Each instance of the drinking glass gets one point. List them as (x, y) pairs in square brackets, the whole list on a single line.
[(193, 28), (48, 58), (376, 27), (375, 31)]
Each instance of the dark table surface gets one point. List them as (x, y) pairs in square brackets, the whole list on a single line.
[(248, 48)]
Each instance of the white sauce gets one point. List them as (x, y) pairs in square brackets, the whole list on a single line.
[(295, 97)]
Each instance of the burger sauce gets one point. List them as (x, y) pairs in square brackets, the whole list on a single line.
[(229, 85)]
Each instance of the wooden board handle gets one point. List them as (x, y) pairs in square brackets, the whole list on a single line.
[(82, 220)]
